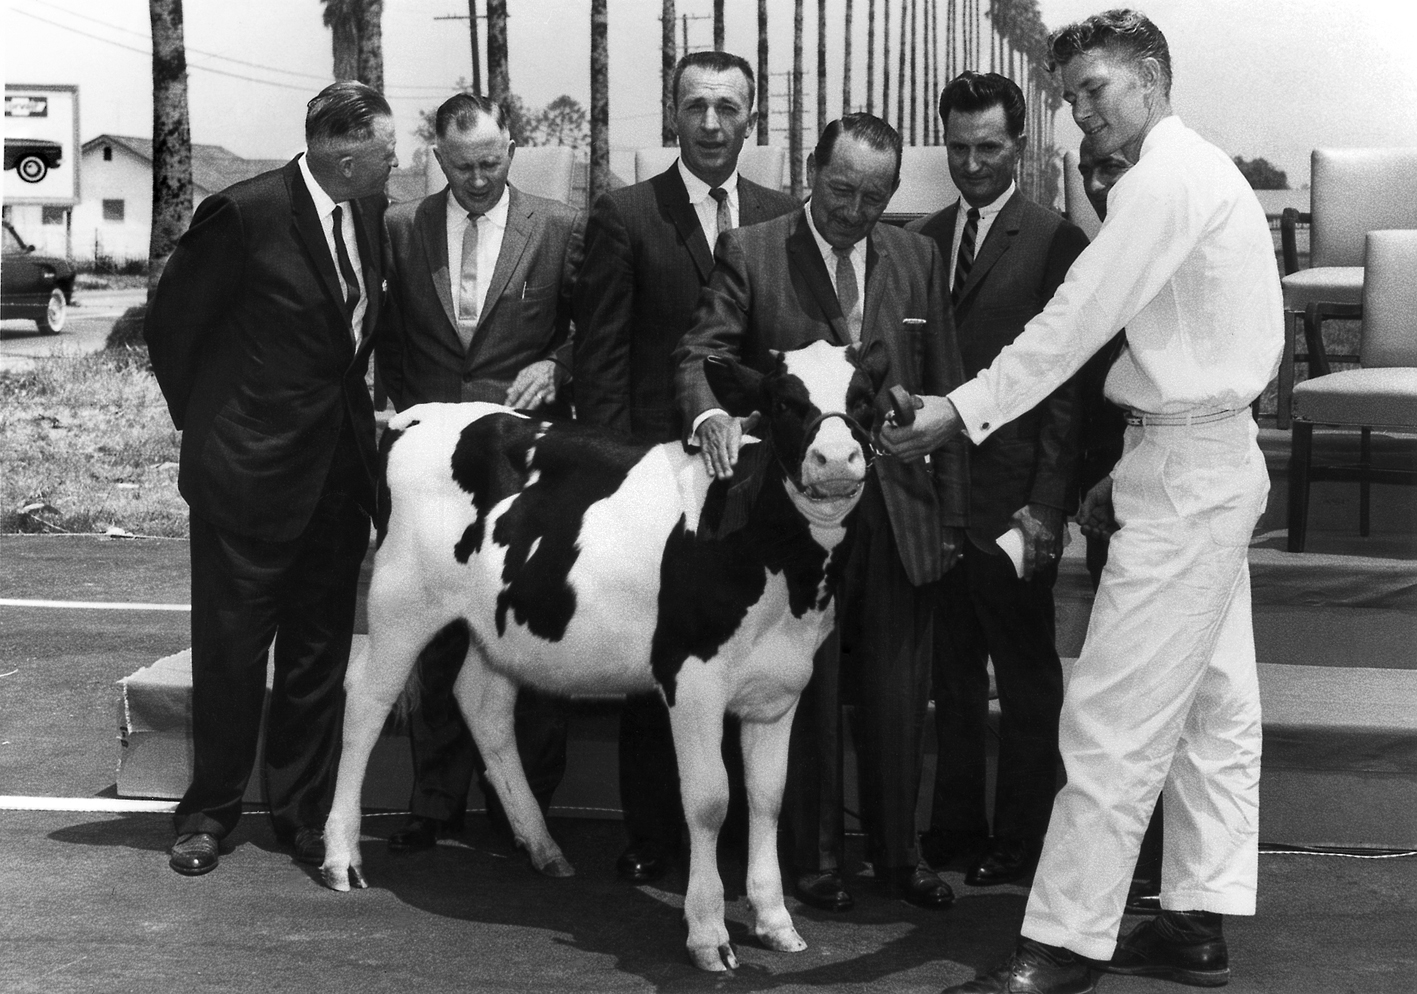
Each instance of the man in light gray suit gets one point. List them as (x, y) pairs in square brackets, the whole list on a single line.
[(480, 282)]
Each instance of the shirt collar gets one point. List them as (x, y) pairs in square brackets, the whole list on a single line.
[(1163, 131), (698, 189), (824, 246), (324, 206), (992, 208), (497, 215)]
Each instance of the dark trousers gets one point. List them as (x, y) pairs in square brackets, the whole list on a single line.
[(986, 611), (445, 757), (246, 592), (885, 671)]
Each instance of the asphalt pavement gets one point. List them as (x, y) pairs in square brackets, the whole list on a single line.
[(92, 314)]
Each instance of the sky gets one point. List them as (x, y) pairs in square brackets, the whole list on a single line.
[(1270, 78)]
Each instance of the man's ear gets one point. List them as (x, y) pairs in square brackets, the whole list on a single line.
[(511, 148), (737, 387)]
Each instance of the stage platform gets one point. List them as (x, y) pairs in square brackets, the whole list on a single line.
[(1335, 633)]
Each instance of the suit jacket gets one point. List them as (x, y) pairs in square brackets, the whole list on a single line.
[(248, 339), (1024, 258), (646, 260), (526, 316), (770, 290)]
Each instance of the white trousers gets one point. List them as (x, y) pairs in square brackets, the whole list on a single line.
[(1164, 695)]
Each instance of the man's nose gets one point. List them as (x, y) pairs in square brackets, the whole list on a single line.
[(711, 121)]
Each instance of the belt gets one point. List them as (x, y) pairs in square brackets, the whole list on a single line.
[(1182, 420)]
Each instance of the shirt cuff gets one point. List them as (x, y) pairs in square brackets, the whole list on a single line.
[(973, 405), (694, 434)]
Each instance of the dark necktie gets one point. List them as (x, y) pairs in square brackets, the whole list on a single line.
[(848, 294), (965, 260), (724, 220), (346, 268)]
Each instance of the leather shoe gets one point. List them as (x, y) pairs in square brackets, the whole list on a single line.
[(923, 888), (1005, 861), (194, 854), (1184, 946), (419, 833), (1034, 968), (824, 890), (642, 864), (942, 847), (309, 846)]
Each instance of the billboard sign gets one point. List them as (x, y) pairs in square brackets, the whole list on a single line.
[(41, 131)]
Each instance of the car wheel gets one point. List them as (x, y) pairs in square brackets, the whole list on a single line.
[(56, 312), (32, 168)]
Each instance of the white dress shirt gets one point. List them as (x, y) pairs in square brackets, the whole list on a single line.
[(705, 206), (987, 214), (490, 229), (325, 208), (1185, 262)]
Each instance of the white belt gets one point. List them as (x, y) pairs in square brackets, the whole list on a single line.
[(1182, 420)]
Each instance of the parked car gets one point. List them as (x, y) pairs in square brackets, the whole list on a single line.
[(34, 286), (32, 158)]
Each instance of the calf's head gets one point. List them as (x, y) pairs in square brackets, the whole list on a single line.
[(818, 403)]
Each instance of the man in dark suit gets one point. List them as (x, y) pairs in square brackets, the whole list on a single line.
[(480, 280), (648, 253), (1007, 256), (259, 334), (774, 288)]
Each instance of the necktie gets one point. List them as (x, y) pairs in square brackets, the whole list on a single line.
[(724, 220), (467, 283), (965, 260), (346, 268), (848, 293)]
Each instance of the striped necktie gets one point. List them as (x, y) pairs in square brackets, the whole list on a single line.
[(848, 293), (724, 219), (965, 260)]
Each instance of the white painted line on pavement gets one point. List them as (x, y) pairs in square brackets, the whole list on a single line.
[(116, 805), (93, 605)]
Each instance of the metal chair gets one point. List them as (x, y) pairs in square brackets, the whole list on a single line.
[(1352, 191), (1380, 394)]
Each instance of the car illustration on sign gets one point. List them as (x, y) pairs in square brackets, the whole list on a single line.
[(32, 158)]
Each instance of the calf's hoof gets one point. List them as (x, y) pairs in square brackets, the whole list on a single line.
[(715, 959), (557, 866), (342, 878), (782, 940)]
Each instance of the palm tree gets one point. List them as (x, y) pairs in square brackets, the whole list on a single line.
[(821, 65), (871, 58), (914, 81), (357, 40), (794, 127), (667, 57), (718, 25), (764, 76), (172, 136), (846, 64), (885, 60), (900, 73), (499, 83), (599, 99)]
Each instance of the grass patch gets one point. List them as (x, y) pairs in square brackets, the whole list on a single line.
[(86, 445)]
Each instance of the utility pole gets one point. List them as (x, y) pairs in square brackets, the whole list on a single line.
[(471, 17), (685, 19)]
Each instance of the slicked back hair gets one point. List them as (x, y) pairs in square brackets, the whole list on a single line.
[(344, 110), (865, 128), (714, 62), (463, 110), (1129, 32), (972, 92)]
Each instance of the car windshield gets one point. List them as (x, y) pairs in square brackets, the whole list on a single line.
[(13, 245)]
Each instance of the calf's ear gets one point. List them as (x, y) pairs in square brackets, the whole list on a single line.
[(737, 387), (875, 362)]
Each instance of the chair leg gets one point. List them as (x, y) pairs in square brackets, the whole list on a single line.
[(1365, 482), (1300, 456), (1293, 320)]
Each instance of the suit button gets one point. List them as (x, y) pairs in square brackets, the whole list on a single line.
[(985, 426), (467, 377)]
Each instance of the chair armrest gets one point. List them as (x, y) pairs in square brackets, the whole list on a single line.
[(1291, 217)]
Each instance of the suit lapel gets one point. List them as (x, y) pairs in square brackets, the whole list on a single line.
[(751, 206), (307, 225), (674, 201), (803, 256), (431, 223), (996, 243), (520, 222), (368, 237)]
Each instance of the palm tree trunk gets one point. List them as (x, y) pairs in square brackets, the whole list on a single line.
[(371, 43), (342, 19), (599, 100), (764, 76), (499, 83), (172, 136), (900, 72), (871, 57), (718, 25), (885, 60), (914, 76), (794, 134), (821, 65), (846, 65), (668, 56)]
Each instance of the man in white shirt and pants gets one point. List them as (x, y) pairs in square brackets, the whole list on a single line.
[(1164, 695)]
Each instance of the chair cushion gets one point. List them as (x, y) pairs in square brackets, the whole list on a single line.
[(1385, 397), (1324, 285)]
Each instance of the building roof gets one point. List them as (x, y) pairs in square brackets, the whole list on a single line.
[(213, 168)]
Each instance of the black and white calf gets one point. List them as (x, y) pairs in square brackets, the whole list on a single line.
[(584, 563)]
